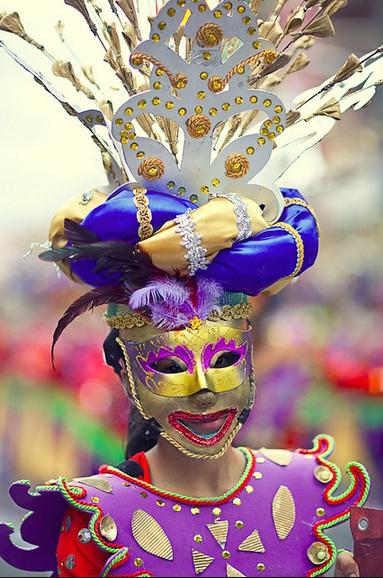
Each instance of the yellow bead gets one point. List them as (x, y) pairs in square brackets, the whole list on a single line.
[(239, 99), (182, 111), (156, 37), (226, 554), (198, 109), (271, 135), (171, 12), (257, 44), (251, 31), (228, 6), (159, 72), (181, 2), (138, 562), (276, 119), (177, 507), (215, 182), (124, 140), (171, 185), (204, 75), (202, 8), (249, 489), (213, 111), (268, 123), (134, 146), (156, 101), (267, 103), (250, 151), (241, 9), (143, 494), (95, 500), (206, 55), (140, 154), (253, 99), (204, 189), (261, 567), (182, 191), (278, 109), (264, 131), (239, 524), (194, 511), (119, 121), (160, 503), (217, 14), (237, 502), (157, 85), (320, 512), (198, 538), (201, 94), (258, 475), (216, 511), (261, 141), (240, 69), (162, 25), (128, 126), (280, 129), (246, 20), (169, 105), (141, 104), (226, 106), (128, 111)]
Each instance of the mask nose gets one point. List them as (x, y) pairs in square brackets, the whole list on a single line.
[(201, 377)]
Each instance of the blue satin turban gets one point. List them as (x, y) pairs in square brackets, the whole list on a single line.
[(248, 267)]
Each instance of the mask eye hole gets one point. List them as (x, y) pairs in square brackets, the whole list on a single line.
[(169, 365), (224, 359)]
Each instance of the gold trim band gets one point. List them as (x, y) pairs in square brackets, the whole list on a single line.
[(300, 247), (144, 214), (297, 201)]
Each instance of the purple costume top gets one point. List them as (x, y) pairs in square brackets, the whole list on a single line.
[(271, 523)]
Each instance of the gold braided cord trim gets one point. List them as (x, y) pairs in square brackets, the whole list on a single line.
[(297, 201), (177, 80), (300, 247), (126, 321), (209, 35), (198, 125), (191, 454), (132, 384), (151, 169), (268, 55), (144, 214)]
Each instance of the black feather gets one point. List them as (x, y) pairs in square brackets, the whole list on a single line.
[(78, 234), (87, 302)]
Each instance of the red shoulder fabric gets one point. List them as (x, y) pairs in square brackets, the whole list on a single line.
[(79, 558)]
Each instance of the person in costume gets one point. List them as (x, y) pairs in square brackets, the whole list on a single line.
[(175, 254)]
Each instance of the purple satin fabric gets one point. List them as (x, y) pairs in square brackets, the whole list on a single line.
[(248, 267)]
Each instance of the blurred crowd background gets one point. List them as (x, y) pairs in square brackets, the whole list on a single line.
[(318, 344)]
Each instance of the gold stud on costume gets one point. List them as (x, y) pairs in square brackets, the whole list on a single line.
[(219, 531), (201, 561), (318, 553), (150, 536), (96, 482), (279, 457), (252, 543), (233, 572), (108, 528), (323, 474), (283, 509)]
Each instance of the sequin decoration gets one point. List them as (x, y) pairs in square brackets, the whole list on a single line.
[(233, 572), (323, 474), (98, 482), (84, 536), (108, 528), (252, 543), (318, 553), (150, 536), (279, 457), (201, 561), (283, 509), (219, 531), (70, 562)]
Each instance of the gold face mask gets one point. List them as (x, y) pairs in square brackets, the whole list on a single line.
[(196, 384), (180, 363)]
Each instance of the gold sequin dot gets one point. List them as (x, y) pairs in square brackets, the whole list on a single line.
[(157, 85), (204, 190), (160, 503), (203, 75), (126, 484), (194, 511), (239, 524), (240, 69), (276, 119), (141, 104), (95, 500), (241, 9), (169, 104), (182, 111), (171, 185), (198, 538), (177, 507), (268, 123), (162, 25), (320, 512), (207, 55), (181, 190), (237, 502), (226, 554), (134, 146), (278, 109), (271, 135), (249, 489), (261, 141), (250, 151), (253, 99), (198, 109), (119, 121), (261, 567), (193, 198), (143, 494), (156, 101), (202, 8), (181, 2), (258, 475), (128, 111), (124, 140), (226, 106), (215, 182), (216, 511), (171, 12), (156, 37), (257, 44), (159, 72), (251, 31), (140, 154), (246, 20), (99, 118), (238, 99), (138, 562), (267, 102), (89, 118), (213, 111), (201, 94), (228, 6), (264, 131), (128, 126), (280, 129), (217, 14)]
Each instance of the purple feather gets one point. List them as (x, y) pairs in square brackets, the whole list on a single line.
[(166, 289), (208, 295)]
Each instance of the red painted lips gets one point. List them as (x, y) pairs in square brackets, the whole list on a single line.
[(203, 429)]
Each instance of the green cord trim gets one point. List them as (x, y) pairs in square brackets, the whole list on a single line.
[(249, 464), (115, 561)]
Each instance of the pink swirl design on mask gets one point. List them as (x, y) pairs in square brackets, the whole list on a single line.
[(182, 352), (222, 345)]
